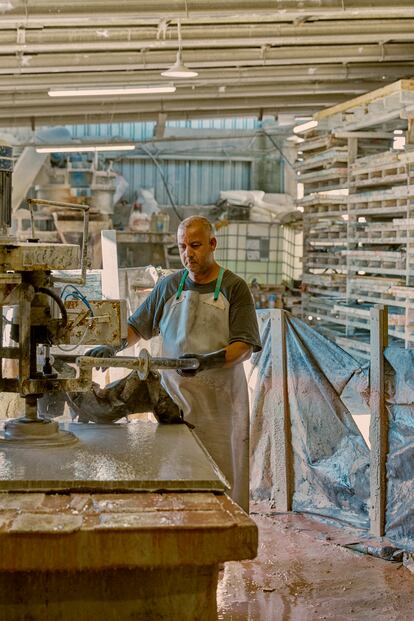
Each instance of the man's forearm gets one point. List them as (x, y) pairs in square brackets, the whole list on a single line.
[(237, 352), (132, 337)]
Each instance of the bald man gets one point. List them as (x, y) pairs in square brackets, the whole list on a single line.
[(207, 312)]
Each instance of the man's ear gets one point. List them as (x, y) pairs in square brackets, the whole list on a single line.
[(213, 243)]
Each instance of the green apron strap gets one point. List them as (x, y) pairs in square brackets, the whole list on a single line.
[(218, 284), (181, 285), (216, 290)]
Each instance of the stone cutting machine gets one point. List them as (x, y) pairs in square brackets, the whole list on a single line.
[(32, 282)]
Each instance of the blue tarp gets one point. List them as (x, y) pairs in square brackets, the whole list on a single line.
[(331, 458)]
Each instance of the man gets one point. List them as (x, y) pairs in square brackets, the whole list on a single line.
[(207, 312)]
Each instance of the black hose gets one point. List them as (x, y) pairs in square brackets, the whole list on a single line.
[(52, 294), (167, 189)]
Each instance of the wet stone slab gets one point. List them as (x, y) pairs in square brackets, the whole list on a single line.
[(113, 458)]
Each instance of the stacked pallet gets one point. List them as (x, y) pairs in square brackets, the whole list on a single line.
[(365, 241), (322, 162), (324, 266)]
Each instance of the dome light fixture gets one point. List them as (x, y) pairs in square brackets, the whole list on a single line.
[(179, 69)]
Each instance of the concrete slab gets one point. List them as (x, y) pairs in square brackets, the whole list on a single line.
[(133, 457)]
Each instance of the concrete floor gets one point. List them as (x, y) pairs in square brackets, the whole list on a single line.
[(300, 574)]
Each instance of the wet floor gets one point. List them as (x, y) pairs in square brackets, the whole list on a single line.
[(300, 575)]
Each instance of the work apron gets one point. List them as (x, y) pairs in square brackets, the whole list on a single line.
[(215, 401)]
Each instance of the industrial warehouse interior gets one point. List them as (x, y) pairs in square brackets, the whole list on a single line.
[(207, 310)]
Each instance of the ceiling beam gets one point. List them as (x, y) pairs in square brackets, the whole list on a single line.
[(86, 39), (37, 100), (386, 72), (83, 112), (207, 58), (48, 11)]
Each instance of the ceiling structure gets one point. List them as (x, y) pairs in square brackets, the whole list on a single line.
[(254, 58)]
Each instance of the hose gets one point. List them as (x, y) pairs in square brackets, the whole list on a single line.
[(55, 296)]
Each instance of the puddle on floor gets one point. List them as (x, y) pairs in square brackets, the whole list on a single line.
[(300, 576)]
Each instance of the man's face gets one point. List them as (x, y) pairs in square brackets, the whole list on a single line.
[(196, 248)]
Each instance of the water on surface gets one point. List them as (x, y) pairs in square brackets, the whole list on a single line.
[(301, 576), (140, 456)]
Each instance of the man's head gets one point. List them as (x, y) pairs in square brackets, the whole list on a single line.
[(196, 243)]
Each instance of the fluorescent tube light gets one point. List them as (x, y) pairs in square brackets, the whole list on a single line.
[(305, 126), (111, 90), (71, 148)]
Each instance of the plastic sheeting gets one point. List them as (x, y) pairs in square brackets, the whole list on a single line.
[(331, 458), (399, 373)]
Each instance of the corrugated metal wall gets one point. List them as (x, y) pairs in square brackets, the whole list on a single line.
[(136, 130), (191, 182)]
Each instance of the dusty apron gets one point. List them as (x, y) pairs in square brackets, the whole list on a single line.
[(215, 400)]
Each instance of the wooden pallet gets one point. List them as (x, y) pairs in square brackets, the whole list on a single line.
[(392, 168), (379, 161), (359, 236), (387, 231), (382, 202), (321, 141), (325, 261), (324, 211), (325, 280), (381, 106), (323, 160), (316, 206), (323, 180), (374, 269)]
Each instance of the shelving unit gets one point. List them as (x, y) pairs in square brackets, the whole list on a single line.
[(359, 246)]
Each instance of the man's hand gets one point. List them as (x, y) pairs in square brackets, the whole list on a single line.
[(214, 360), (102, 351)]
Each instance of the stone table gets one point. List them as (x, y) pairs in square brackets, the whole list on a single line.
[(117, 540)]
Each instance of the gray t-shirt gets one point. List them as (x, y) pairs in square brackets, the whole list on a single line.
[(242, 315)]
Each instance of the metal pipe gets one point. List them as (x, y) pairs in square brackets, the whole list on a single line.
[(143, 364)]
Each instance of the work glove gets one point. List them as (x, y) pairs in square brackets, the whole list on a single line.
[(214, 360), (102, 351)]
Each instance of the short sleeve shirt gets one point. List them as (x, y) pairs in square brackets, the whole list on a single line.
[(242, 315)]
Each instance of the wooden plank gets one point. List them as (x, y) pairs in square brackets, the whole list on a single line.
[(282, 425), (378, 431), (364, 100), (323, 199), (410, 132), (324, 175), (373, 135)]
